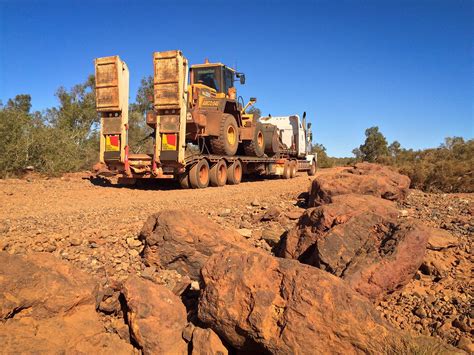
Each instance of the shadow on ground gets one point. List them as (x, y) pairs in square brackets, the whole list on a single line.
[(161, 184)]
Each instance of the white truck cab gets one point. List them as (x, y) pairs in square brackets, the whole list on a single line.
[(293, 133)]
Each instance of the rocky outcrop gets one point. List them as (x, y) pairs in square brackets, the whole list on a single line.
[(317, 221), (386, 261), (183, 241), (156, 317), (363, 178), (47, 306), (260, 303), (358, 238)]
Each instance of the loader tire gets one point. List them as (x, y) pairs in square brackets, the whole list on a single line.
[(218, 173), (234, 173), (199, 175), (256, 147), (228, 140)]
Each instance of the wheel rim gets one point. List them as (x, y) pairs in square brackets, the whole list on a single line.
[(231, 135), (203, 174), (260, 139)]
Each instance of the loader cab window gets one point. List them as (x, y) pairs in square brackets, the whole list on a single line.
[(228, 79), (207, 76)]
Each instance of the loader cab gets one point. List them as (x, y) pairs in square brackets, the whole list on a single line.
[(217, 76)]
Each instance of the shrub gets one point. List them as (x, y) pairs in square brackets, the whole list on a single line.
[(448, 168)]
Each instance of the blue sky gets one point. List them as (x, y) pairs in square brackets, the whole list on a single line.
[(405, 66)]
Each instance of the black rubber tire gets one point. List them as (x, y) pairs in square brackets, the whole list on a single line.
[(218, 173), (256, 147), (293, 168), (286, 170), (184, 180), (234, 173), (199, 175), (313, 169), (272, 139), (220, 145)]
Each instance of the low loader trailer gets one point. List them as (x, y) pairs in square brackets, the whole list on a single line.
[(201, 131)]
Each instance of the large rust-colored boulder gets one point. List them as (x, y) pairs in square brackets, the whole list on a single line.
[(42, 284), (260, 303), (48, 306), (183, 241), (359, 239), (363, 178), (207, 342), (383, 262), (317, 221), (156, 317)]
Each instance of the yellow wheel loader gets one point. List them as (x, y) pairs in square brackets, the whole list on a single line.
[(215, 119)]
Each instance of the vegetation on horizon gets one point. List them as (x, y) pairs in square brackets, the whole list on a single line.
[(448, 168), (63, 138)]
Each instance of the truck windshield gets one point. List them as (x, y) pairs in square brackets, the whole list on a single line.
[(207, 76)]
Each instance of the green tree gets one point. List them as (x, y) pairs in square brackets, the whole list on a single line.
[(15, 129), (20, 102), (357, 153), (375, 145), (76, 111), (144, 98), (394, 149), (69, 140), (323, 160), (139, 134), (451, 142)]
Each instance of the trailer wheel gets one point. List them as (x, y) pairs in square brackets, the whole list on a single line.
[(256, 147), (184, 180), (199, 175), (312, 170), (293, 168), (234, 173), (228, 140), (286, 170), (218, 173)]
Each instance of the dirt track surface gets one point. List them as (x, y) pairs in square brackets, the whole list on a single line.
[(81, 221), (76, 205)]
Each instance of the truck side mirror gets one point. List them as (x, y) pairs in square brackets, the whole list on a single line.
[(242, 79), (309, 125), (304, 114)]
